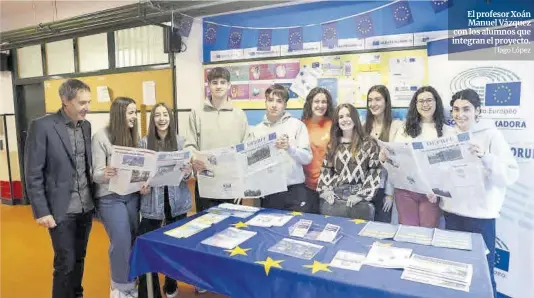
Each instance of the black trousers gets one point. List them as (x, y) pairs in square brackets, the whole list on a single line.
[(378, 201), (485, 227), (296, 198), (205, 203), (149, 225), (69, 240)]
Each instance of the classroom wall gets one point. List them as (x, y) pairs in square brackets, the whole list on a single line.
[(189, 75)]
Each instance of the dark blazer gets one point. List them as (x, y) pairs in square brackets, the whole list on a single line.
[(49, 165)]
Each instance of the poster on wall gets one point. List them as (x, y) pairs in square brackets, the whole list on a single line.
[(348, 77), (504, 88)]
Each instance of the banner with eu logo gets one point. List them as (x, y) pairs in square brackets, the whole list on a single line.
[(503, 94)]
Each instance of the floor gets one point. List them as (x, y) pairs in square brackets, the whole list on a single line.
[(26, 259)]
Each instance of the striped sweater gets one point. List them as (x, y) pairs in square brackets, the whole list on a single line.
[(360, 171)]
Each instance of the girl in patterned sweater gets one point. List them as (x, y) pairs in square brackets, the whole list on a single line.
[(350, 175)]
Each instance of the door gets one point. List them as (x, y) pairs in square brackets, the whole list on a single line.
[(30, 104)]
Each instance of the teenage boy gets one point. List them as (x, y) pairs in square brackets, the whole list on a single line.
[(217, 123), (294, 145)]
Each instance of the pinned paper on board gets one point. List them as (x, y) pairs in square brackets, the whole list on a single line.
[(102, 94), (149, 93)]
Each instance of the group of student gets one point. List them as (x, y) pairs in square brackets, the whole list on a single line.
[(332, 163)]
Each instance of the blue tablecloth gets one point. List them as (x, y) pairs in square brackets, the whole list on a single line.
[(213, 268)]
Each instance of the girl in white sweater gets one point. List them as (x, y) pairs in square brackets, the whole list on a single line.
[(478, 215), (425, 121)]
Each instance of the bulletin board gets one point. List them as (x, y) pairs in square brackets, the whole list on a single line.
[(348, 77), (128, 84)]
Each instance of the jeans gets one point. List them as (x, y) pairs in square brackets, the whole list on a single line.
[(120, 216), (69, 240), (415, 209), (485, 227), (148, 225)]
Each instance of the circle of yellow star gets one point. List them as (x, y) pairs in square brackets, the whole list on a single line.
[(270, 263), (296, 213), (238, 251), (318, 266), (358, 221), (240, 225)]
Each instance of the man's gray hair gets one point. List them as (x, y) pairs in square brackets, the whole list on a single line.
[(69, 89)]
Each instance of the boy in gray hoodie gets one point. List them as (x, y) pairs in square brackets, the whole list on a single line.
[(217, 123), (294, 145)]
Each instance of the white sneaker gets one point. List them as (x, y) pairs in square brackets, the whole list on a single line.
[(200, 291), (172, 295), (116, 293)]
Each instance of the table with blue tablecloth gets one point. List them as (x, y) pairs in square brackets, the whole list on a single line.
[(243, 272)]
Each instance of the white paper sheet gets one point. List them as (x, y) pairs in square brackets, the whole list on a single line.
[(348, 260), (102, 93), (149, 93), (229, 238)]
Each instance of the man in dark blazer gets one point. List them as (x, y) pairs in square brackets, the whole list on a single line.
[(57, 167)]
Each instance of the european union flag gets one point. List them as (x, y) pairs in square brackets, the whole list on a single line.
[(210, 33), (503, 94), (330, 35), (364, 25), (186, 22), (440, 5), (502, 259), (295, 39), (234, 39), (417, 145), (329, 84), (402, 14), (265, 40)]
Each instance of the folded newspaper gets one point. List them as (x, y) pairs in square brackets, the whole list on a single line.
[(242, 170), (268, 220), (229, 238), (387, 256), (136, 167), (234, 210), (439, 272), (196, 225)]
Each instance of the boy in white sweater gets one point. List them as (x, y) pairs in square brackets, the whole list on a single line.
[(294, 145)]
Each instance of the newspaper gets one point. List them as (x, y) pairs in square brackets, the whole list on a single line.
[(229, 238), (234, 210), (196, 225), (438, 272), (417, 235), (452, 239), (443, 166), (378, 230), (136, 167), (387, 256), (402, 168), (242, 170), (268, 220), (348, 260), (295, 248)]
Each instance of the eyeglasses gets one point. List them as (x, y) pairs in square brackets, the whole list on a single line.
[(426, 101)]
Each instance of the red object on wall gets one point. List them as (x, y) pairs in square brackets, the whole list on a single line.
[(5, 191)]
